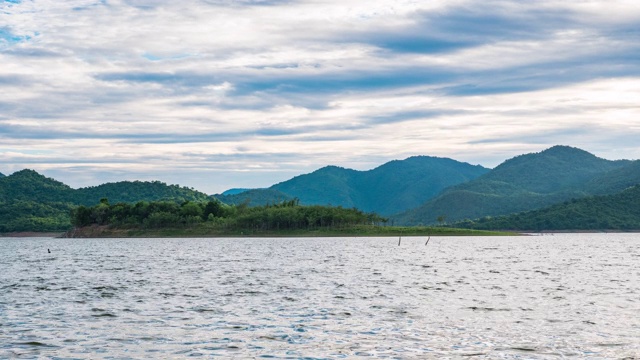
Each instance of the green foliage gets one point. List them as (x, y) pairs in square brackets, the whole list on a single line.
[(526, 182), (288, 215), (254, 197), (33, 202), (615, 180), (132, 191), (552, 170), (21, 215), (604, 212), (395, 186), (28, 185), (212, 209)]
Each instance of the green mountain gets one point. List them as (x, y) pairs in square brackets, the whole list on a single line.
[(615, 180), (235, 191), (387, 189), (1, 175), (619, 211), (253, 197), (28, 185), (133, 191), (522, 183), (437, 189), (30, 201)]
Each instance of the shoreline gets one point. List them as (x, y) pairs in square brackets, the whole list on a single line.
[(200, 232), (19, 234), (102, 232)]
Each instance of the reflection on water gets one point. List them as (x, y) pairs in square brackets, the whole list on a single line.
[(571, 295)]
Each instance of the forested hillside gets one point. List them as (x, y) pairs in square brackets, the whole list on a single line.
[(615, 180), (133, 191), (392, 187), (30, 201), (439, 190), (28, 185), (254, 197), (523, 183), (620, 211)]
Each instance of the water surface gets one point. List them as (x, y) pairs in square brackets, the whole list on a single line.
[(543, 297)]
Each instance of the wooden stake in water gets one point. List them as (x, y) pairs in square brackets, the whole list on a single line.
[(399, 240), (429, 238)]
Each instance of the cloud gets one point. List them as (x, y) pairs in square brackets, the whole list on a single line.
[(141, 87)]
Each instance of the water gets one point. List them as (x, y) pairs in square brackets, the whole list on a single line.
[(544, 297)]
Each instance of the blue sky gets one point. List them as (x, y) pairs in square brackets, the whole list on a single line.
[(214, 94)]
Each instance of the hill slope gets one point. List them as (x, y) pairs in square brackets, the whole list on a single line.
[(615, 180), (253, 197), (522, 183), (619, 211), (133, 191), (387, 189), (29, 185), (30, 201)]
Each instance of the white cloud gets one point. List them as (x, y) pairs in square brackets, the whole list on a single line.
[(150, 89)]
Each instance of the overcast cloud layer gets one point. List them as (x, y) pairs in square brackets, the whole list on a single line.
[(215, 94)]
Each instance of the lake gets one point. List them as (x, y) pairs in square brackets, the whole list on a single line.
[(528, 297)]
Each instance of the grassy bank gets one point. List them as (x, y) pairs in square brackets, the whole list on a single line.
[(204, 231), (31, 234)]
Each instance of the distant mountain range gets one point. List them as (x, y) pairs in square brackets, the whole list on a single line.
[(390, 188), (418, 190), (527, 182)]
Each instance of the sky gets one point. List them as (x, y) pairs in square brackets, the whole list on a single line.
[(217, 94)]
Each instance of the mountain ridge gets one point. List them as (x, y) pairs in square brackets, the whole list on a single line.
[(619, 211), (385, 189), (524, 182), (30, 201), (433, 189)]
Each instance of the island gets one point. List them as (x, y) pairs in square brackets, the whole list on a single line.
[(215, 219)]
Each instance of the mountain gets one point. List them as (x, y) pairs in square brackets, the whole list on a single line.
[(525, 182), (387, 189), (234, 191), (619, 211), (559, 167), (1, 175), (134, 191), (615, 180), (254, 197), (328, 185), (30, 185), (30, 201)]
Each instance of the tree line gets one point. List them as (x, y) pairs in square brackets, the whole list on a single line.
[(287, 215), (619, 211)]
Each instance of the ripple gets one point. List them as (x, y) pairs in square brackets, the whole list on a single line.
[(548, 297)]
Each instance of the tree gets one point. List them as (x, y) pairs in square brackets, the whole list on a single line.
[(191, 208), (212, 208)]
